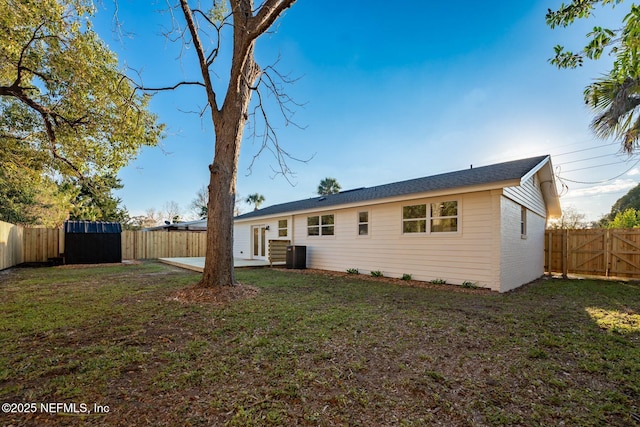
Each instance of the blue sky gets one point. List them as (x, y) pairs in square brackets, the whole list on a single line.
[(390, 91)]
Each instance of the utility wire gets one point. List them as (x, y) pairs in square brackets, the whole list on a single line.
[(584, 149), (596, 182), (588, 158), (593, 167)]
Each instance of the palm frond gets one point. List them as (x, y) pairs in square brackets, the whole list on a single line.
[(615, 104)]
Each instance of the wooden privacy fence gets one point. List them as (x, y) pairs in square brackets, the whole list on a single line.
[(11, 245), (598, 252), (163, 244), (21, 245)]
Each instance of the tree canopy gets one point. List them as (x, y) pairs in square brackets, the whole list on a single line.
[(630, 201), (329, 186), (571, 219), (256, 200), (629, 218), (615, 97), (66, 110)]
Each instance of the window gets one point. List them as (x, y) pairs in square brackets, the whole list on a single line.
[(414, 219), (363, 223), (523, 221), (320, 225), (442, 217), (282, 228)]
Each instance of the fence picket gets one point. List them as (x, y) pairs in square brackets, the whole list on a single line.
[(598, 252)]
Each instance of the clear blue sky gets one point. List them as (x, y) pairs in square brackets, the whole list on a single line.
[(391, 91)]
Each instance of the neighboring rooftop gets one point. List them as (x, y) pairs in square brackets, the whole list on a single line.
[(197, 225), (501, 172)]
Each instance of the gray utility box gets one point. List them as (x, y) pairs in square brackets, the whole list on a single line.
[(297, 257)]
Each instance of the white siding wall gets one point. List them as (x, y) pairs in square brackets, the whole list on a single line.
[(522, 259), (470, 254), (528, 194), (242, 235), (241, 240)]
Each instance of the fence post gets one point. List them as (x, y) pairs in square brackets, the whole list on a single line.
[(608, 243), (565, 253), (549, 251)]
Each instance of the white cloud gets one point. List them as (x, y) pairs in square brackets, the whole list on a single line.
[(618, 185), (633, 172)]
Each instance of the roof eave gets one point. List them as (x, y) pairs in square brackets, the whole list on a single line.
[(548, 187), (535, 169)]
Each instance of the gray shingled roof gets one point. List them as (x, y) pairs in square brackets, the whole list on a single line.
[(468, 177)]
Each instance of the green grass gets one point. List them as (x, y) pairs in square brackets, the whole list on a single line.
[(314, 349)]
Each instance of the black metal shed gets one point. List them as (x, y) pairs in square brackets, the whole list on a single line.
[(92, 242)]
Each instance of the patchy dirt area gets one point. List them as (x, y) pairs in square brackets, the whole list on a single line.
[(220, 295), (391, 280)]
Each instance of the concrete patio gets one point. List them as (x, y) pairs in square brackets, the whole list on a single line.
[(197, 263)]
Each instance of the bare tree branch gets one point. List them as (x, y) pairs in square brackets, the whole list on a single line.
[(204, 66), (175, 86), (269, 138), (267, 15)]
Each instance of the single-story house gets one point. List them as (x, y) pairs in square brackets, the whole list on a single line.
[(483, 225)]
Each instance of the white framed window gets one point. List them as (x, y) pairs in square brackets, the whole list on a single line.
[(414, 219), (442, 217), (283, 228), (363, 223), (321, 225), (523, 222)]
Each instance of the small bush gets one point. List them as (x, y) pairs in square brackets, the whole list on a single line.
[(353, 271), (470, 285), (439, 282), (377, 273), (406, 276)]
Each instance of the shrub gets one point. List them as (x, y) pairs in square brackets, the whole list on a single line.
[(406, 276), (439, 282), (353, 271), (470, 285), (377, 273)]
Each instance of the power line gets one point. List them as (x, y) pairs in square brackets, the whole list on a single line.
[(588, 158), (598, 182), (592, 167), (584, 149)]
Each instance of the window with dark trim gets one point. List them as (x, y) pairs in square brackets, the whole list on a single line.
[(523, 221)]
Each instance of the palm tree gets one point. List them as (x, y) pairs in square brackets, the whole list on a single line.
[(255, 199), (615, 103), (328, 186)]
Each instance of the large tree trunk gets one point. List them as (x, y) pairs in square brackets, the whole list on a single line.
[(218, 266), (229, 122), (229, 125)]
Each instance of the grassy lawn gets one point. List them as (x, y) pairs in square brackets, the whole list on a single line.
[(316, 349)]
